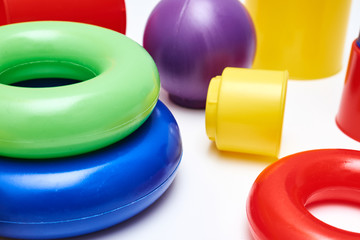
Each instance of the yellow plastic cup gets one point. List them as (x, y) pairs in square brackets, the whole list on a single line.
[(305, 37), (245, 110)]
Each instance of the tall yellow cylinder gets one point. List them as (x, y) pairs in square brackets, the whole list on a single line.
[(305, 37)]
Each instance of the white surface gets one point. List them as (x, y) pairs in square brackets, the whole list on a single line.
[(207, 199)]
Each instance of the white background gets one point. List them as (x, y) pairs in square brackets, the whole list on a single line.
[(207, 199)]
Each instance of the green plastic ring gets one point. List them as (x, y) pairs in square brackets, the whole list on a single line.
[(118, 89)]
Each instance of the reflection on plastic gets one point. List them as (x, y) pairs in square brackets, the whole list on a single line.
[(245, 110), (276, 206), (82, 194), (193, 41), (348, 117), (306, 37)]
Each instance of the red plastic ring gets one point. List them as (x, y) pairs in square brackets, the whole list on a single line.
[(106, 13), (276, 206)]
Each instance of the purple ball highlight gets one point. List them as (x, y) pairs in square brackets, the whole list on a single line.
[(193, 41)]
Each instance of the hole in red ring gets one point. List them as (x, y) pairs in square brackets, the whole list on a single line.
[(341, 215), (336, 206)]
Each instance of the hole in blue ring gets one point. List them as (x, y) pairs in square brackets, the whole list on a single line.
[(45, 82)]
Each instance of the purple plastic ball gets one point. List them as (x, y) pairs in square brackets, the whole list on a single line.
[(193, 41)]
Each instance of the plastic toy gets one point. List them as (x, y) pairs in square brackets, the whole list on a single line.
[(245, 110), (106, 13), (192, 41), (348, 117), (305, 37), (276, 206), (111, 101), (83, 194)]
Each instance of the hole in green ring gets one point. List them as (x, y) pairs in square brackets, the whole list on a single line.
[(45, 82), (48, 73)]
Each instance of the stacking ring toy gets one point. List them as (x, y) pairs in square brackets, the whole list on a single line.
[(82, 194), (106, 13), (118, 88), (277, 202)]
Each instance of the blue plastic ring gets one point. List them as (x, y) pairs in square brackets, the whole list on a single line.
[(86, 193)]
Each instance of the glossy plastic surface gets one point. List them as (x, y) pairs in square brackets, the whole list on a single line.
[(78, 195), (112, 99), (277, 202), (106, 13), (245, 110), (348, 117), (192, 41), (305, 37)]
